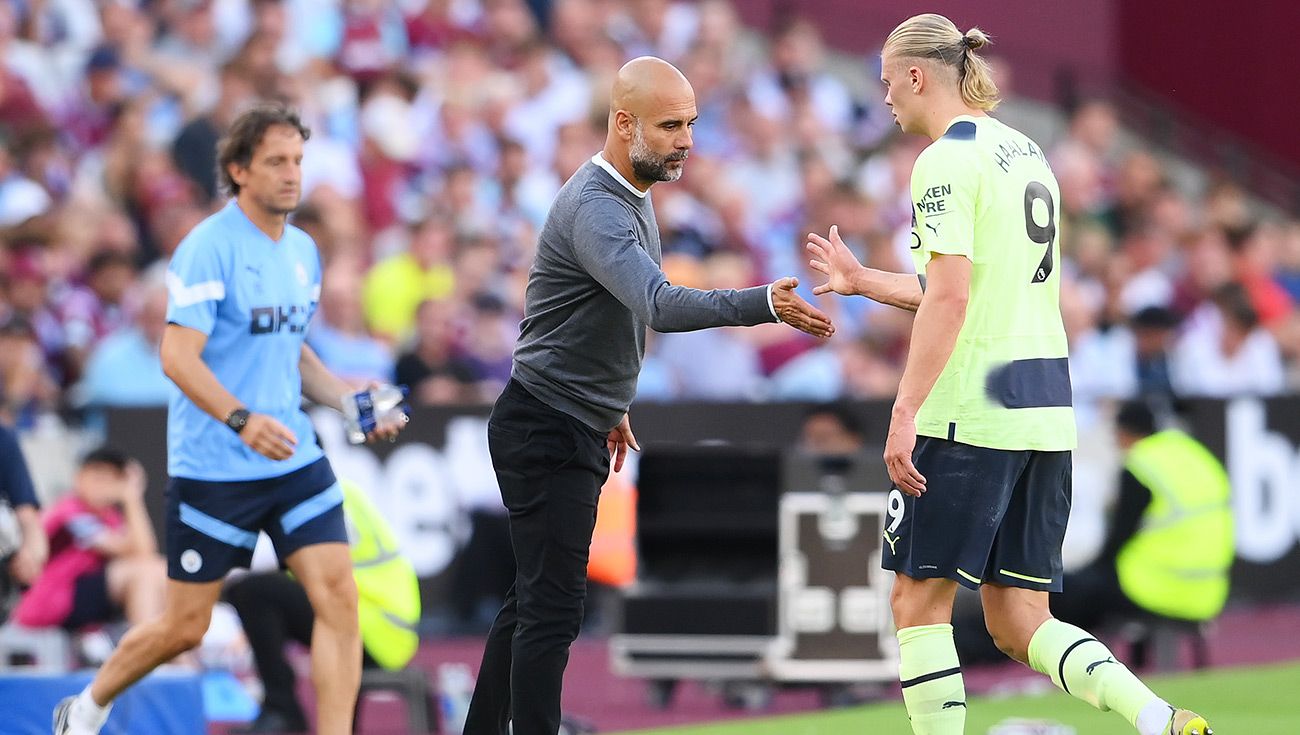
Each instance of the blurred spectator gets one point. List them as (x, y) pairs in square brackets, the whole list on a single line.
[(1115, 361), (488, 343), (1146, 253), (23, 558), (20, 198), (867, 370), (655, 383), (553, 95), (464, 194), (91, 312), (20, 68), (1208, 267), (92, 114), (125, 368), (797, 81), (1102, 361), (1225, 352), (1154, 337), (25, 387), (1255, 251), (389, 145), (662, 28), (104, 561), (339, 335), (735, 372), (436, 24), (397, 285), (374, 39), (432, 369), (1139, 187), (195, 146), (829, 429), (1084, 163)]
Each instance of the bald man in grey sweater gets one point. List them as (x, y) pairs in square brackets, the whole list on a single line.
[(594, 288)]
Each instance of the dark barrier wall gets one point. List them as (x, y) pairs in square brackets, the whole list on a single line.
[(1230, 63), (430, 483)]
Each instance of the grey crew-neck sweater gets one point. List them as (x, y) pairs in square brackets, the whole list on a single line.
[(594, 288)]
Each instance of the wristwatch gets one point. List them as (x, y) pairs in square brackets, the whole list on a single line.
[(237, 420)]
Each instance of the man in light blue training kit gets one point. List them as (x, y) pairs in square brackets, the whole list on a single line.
[(982, 430), (241, 454)]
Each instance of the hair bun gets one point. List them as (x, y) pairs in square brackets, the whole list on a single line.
[(974, 39)]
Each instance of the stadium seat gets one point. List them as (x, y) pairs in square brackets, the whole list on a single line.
[(411, 686), (39, 650)]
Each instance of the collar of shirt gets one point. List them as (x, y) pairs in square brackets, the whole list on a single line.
[(239, 214), (599, 160)]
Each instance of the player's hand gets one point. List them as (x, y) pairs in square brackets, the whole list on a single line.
[(898, 454), (268, 437), (620, 438), (793, 310), (30, 559), (834, 259), (388, 427)]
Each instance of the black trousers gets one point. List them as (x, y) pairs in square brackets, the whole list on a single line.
[(1092, 598), (274, 609), (550, 468)]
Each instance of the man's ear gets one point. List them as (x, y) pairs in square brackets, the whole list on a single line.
[(625, 124), (916, 79)]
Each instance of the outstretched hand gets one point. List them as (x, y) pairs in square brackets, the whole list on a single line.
[(834, 259), (793, 310)]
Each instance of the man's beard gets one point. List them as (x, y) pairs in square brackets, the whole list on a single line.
[(274, 207), (650, 166)]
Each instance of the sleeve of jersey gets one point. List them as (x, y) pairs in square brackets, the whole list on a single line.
[(317, 275), (196, 284), (945, 183)]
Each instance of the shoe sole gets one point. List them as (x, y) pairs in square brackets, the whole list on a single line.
[(61, 717)]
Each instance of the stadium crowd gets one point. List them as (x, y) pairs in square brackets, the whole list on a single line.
[(443, 128)]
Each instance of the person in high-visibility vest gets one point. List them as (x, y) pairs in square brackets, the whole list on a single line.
[(1169, 542), (274, 608)]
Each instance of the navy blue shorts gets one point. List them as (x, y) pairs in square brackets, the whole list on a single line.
[(987, 515), (212, 526)]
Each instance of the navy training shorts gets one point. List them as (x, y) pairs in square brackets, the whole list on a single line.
[(212, 527), (988, 515)]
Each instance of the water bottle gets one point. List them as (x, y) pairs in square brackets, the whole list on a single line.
[(455, 687), (365, 410)]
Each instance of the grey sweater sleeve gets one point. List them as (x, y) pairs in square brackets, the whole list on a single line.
[(605, 244)]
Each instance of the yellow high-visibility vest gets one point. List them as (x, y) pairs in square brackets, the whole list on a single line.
[(388, 592), (1177, 563)]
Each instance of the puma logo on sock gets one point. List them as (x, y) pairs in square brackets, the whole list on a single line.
[(1095, 664)]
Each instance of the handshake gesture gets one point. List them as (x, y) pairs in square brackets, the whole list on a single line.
[(793, 310)]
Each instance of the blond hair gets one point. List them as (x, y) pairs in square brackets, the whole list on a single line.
[(932, 36)]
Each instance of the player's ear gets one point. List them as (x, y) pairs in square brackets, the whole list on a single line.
[(916, 79), (237, 173)]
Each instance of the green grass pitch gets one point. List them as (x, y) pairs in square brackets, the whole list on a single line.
[(1260, 700)]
